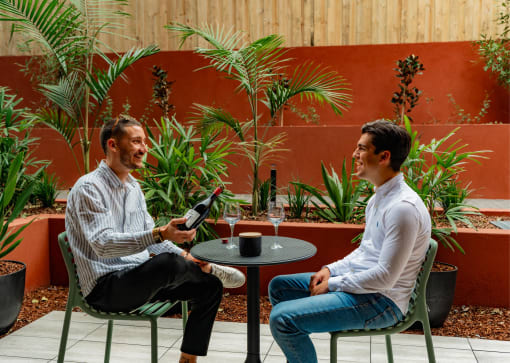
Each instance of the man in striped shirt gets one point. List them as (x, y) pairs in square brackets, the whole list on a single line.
[(112, 237)]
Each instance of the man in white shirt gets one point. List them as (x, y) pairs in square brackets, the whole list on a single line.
[(112, 237), (370, 287)]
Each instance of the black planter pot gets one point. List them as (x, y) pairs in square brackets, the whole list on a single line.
[(440, 293), (12, 288)]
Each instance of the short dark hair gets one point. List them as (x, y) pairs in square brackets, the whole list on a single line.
[(388, 136), (116, 128)]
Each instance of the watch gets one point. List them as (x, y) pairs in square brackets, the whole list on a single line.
[(156, 234)]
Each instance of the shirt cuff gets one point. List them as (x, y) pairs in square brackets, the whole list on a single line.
[(335, 283)]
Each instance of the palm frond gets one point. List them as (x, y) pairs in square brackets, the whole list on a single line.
[(60, 122), (101, 81), (213, 119), (314, 84), (68, 94), (50, 23)]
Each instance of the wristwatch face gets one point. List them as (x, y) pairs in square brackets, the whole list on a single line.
[(155, 235)]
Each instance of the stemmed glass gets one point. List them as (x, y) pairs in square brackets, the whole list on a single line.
[(231, 215), (275, 215)]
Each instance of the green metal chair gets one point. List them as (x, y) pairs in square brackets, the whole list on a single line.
[(149, 311), (417, 312)]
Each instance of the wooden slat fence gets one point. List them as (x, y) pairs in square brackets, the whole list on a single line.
[(305, 22)]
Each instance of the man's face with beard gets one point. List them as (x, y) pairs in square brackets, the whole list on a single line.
[(132, 148)]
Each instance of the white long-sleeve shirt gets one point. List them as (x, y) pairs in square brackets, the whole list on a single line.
[(395, 241), (108, 226)]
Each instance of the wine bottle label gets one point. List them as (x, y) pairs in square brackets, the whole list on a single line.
[(191, 216)]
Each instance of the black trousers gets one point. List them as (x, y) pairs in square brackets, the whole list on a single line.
[(166, 276)]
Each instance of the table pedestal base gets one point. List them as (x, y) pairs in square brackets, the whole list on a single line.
[(253, 355)]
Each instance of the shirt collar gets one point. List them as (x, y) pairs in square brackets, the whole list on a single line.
[(112, 179), (389, 185)]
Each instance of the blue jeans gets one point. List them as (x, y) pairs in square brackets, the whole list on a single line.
[(296, 314)]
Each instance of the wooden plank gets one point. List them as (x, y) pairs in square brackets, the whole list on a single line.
[(308, 22)]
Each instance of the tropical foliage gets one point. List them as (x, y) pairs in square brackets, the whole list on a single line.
[(182, 168), (344, 199), (260, 68), (433, 170), (69, 32)]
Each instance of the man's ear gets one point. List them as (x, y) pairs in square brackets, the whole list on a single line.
[(111, 144), (385, 157)]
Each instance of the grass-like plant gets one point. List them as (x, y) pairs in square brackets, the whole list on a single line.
[(298, 200), (260, 69), (46, 189)]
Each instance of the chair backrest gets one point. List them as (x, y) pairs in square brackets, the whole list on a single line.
[(420, 286), (67, 254)]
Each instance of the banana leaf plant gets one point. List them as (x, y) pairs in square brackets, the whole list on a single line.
[(260, 68), (70, 32)]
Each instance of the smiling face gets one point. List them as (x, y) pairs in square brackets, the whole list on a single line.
[(126, 152), (132, 148), (367, 161)]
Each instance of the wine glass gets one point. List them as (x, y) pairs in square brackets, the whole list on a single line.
[(231, 215), (275, 215)]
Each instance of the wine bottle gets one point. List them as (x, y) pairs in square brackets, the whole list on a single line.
[(195, 217)]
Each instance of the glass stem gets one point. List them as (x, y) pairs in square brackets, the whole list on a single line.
[(276, 230), (231, 234)]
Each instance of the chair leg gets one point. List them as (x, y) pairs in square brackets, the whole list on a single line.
[(332, 349), (184, 308), (108, 347), (65, 333), (428, 339), (389, 348), (154, 341)]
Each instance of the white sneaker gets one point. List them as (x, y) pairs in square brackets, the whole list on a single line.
[(229, 276)]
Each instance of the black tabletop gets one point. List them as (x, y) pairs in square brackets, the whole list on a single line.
[(293, 250)]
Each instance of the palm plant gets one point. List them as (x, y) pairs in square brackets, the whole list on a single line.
[(259, 68), (70, 32)]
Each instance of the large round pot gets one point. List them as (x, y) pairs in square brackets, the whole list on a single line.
[(12, 288), (440, 293)]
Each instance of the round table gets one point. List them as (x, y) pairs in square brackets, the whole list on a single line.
[(293, 250)]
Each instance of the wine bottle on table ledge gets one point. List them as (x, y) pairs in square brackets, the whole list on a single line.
[(195, 217)]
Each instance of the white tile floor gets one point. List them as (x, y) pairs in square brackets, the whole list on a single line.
[(38, 342)]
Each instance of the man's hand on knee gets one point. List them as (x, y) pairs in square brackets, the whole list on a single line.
[(319, 282)]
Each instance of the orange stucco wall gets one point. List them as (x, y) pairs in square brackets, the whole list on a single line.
[(309, 145), (33, 251)]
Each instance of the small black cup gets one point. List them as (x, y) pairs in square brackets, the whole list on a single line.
[(250, 244)]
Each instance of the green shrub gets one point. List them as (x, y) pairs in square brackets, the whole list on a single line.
[(181, 170), (46, 189)]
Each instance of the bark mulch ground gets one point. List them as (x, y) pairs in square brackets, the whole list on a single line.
[(463, 321)]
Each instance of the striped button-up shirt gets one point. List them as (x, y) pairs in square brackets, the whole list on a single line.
[(108, 226)]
